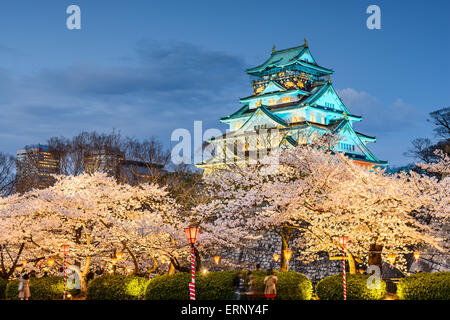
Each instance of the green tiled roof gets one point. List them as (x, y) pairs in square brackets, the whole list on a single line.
[(286, 57)]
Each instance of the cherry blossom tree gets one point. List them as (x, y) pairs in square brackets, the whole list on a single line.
[(322, 195), (95, 216)]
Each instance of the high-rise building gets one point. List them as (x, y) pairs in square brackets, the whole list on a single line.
[(103, 160), (34, 167), (136, 172), (293, 101)]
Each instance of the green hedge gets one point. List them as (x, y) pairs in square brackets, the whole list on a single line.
[(48, 288), (425, 286), (116, 287), (330, 288), (219, 286), (3, 284)]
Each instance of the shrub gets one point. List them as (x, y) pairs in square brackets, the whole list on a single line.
[(168, 287), (47, 288), (116, 287), (330, 288), (219, 286), (3, 284), (293, 286), (425, 286)]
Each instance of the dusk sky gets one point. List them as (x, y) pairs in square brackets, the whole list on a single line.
[(147, 68)]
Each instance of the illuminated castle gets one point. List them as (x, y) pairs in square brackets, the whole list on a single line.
[(295, 96)]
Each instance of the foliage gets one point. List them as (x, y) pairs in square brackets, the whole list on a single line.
[(322, 195), (293, 286), (46, 288), (219, 286), (91, 209), (425, 286), (116, 287), (331, 288)]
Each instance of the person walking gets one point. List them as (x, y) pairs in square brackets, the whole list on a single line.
[(250, 286), (270, 283), (24, 287), (239, 285)]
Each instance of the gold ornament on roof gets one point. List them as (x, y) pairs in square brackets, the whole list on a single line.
[(329, 80), (289, 84), (345, 115), (306, 43), (259, 89), (273, 48)]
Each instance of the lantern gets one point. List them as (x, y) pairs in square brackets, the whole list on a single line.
[(287, 254), (114, 260), (342, 241), (204, 271), (163, 260), (50, 262), (65, 248), (416, 255), (191, 234), (69, 296), (216, 259), (276, 257), (24, 263), (129, 270), (19, 269), (119, 255), (391, 258)]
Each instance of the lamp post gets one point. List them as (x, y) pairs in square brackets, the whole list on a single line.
[(417, 255), (391, 258), (276, 257), (65, 249), (217, 259), (191, 236), (287, 254), (342, 240), (50, 262), (119, 256)]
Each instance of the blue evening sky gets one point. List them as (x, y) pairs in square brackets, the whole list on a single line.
[(149, 67)]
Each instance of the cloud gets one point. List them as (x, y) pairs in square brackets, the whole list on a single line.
[(395, 123), (163, 86), (379, 116)]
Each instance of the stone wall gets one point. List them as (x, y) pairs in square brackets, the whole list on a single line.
[(261, 252)]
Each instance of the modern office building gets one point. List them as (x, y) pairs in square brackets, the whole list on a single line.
[(35, 165)]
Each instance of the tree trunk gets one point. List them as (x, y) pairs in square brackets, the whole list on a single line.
[(375, 255), (171, 269), (83, 285), (351, 262), (285, 235)]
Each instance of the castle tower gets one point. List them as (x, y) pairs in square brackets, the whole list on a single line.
[(293, 94)]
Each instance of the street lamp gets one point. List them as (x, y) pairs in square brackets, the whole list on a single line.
[(65, 249), (50, 262), (391, 258), (24, 263), (342, 241), (191, 236), (417, 255), (287, 254), (276, 257), (119, 256), (216, 259)]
